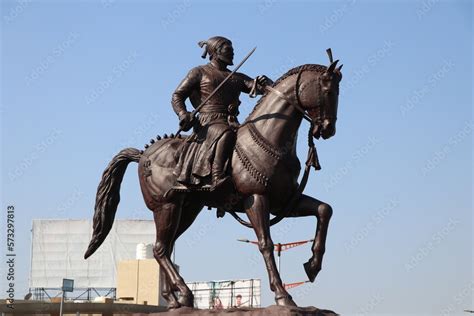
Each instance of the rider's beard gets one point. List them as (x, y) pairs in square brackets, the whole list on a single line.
[(228, 60)]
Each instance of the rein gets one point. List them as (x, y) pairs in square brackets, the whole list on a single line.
[(297, 106), (312, 159)]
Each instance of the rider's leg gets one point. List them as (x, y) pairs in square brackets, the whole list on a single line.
[(224, 148)]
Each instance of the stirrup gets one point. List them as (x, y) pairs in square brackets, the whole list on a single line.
[(220, 212)]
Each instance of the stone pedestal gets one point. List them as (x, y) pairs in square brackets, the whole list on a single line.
[(268, 311)]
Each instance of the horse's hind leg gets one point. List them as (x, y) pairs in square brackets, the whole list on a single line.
[(167, 218), (308, 206), (257, 210), (168, 293), (189, 211)]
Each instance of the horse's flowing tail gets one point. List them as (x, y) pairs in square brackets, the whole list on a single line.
[(108, 197)]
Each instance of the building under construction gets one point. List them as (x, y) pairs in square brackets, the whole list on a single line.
[(121, 276)]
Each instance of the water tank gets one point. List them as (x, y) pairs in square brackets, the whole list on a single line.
[(144, 251)]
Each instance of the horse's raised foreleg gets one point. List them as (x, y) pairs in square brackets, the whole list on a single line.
[(308, 206), (257, 209), (167, 218)]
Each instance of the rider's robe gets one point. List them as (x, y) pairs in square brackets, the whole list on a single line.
[(196, 155)]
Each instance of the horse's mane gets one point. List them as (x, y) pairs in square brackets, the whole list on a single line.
[(292, 71)]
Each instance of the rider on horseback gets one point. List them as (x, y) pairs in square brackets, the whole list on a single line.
[(203, 156)]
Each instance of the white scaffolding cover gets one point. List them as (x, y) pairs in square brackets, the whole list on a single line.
[(223, 294), (59, 245)]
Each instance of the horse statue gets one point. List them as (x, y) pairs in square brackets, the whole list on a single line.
[(264, 169)]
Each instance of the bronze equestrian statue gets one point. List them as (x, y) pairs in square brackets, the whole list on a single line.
[(262, 168)]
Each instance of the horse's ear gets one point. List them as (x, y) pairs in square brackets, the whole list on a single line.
[(329, 52), (340, 67), (331, 68)]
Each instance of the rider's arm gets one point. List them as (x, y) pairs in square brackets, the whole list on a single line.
[(249, 83), (184, 90)]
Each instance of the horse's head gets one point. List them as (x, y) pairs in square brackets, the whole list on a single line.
[(318, 93)]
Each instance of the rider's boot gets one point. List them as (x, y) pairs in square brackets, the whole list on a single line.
[(224, 148), (219, 178)]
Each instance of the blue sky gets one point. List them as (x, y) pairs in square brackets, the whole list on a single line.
[(82, 80)]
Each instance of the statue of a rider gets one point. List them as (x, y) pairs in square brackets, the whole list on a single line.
[(203, 156)]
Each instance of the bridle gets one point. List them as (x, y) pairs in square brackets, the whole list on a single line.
[(296, 105), (318, 120)]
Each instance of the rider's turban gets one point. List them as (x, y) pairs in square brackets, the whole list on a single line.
[(212, 45)]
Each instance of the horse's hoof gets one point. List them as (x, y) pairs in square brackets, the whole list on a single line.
[(170, 298), (285, 300), (311, 270), (174, 305), (186, 300)]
